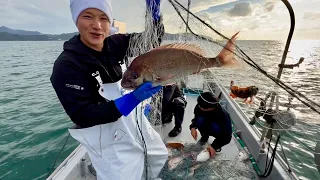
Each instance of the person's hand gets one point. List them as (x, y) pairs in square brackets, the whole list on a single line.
[(211, 151), (154, 6), (128, 102), (194, 133), (145, 91)]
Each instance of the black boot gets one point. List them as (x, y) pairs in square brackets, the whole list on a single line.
[(175, 131)]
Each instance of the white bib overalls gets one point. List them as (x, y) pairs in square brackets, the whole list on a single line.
[(116, 149)]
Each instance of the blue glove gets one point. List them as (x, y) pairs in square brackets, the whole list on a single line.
[(128, 102), (147, 110), (154, 6)]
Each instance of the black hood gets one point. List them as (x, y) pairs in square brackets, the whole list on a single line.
[(106, 62), (76, 45)]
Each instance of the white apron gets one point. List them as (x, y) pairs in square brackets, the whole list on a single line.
[(116, 149)]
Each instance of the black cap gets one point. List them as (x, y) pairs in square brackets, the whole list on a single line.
[(207, 100)]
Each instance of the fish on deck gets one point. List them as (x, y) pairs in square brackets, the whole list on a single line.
[(168, 63), (243, 92)]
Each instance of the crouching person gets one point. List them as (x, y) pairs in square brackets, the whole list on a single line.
[(211, 120)]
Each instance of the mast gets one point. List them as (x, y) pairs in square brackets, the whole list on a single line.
[(285, 52), (292, 18)]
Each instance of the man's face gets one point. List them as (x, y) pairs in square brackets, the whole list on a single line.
[(94, 27)]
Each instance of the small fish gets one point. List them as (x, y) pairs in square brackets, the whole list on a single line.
[(168, 63), (203, 156), (174, 162), (243, 92), (192, 169), (175, 145)]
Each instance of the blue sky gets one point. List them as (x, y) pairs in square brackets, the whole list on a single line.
[(255, 19)]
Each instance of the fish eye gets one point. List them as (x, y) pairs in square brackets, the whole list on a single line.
[(134, 75)]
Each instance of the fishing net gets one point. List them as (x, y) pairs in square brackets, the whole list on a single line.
[(293, 114), (142, 43), (182, 164)]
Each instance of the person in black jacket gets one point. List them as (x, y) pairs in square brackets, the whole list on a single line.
[(211, 120), (86, 78), (173, 104), (74, 72)]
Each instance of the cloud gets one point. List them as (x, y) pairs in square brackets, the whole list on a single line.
[(264, 16), (311, 15), (200, 5), (269, 6), (253, 27), (254, 18), (38, 15), (241, 9)]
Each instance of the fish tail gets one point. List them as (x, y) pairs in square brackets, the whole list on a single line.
[(226, 55)]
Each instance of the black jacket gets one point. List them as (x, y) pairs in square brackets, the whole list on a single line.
[(170, 92), (216, 123), (73, 78)]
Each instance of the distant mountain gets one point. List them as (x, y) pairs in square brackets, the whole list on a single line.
[(7, 34), (4, 36), (62, 37), (20, 32)]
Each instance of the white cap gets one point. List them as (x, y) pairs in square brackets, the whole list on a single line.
[(77, 6)]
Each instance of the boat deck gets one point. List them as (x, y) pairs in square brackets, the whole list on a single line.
[(230, 151), (76, 165), (234, 163)]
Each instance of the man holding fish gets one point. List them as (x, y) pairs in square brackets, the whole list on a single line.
[(86, 77)]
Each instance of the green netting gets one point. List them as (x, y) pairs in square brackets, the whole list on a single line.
[(182, 164)]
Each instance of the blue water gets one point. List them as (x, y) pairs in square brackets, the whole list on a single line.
[(33, 124)]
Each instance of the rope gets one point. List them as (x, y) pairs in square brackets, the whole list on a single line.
[(269, 167), (52, 168), (145, 150), (248, 60)]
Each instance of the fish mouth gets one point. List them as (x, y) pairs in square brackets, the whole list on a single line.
[(127, 86)]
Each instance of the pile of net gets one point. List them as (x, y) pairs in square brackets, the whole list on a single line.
[(182, 164)]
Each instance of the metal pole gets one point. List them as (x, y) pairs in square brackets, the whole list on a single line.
[(189, 2), (284, 56)]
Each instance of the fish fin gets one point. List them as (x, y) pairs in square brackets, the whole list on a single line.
[(232, 95), (245, 101), (226, 56), (190, 47)]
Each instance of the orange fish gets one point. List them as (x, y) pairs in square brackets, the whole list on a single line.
[(243, 92), (175, 145), (168, 63)]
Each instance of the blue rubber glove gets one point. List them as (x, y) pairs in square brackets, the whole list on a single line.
[(147, 110), (154, 6), (128, 102)]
